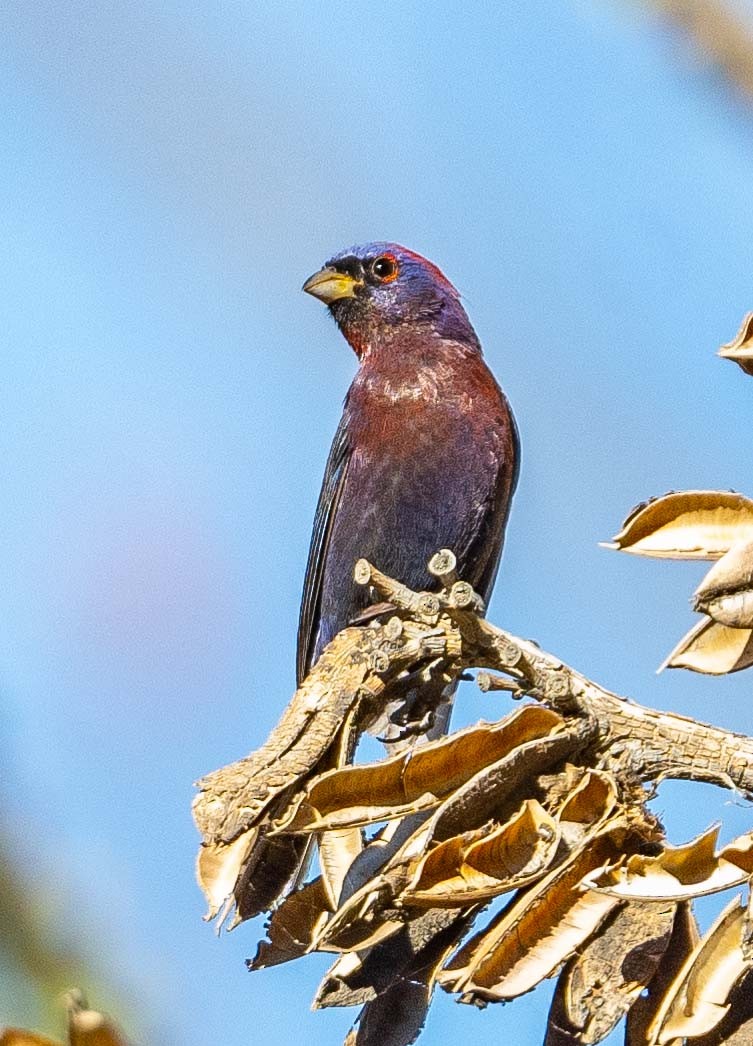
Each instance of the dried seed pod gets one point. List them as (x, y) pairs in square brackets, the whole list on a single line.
[(416, 780), (483, 863), (697, 999), (740, 349), (690, 524), (713, 649), (726, 593), (679, 872)]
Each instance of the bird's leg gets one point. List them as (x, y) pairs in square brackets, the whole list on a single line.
[(411, 728), (417, 677), (399, 710), (424, 691)]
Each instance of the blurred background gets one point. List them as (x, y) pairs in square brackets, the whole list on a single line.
[(172, 173)]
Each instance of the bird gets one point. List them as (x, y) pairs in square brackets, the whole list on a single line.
[(426, 455)]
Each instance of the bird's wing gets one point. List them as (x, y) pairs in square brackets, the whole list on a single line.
[(499, 509), (334, 478)]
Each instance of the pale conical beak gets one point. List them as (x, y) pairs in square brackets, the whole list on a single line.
[(328, 285)]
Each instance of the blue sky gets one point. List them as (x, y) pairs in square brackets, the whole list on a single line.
[(172, 173)]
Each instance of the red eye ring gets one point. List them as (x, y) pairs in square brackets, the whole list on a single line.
[(385, 268)]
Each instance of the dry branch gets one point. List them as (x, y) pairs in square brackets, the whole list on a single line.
[(719, 35), (547, 805)]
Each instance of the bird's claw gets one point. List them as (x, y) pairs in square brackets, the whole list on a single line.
[(409, 728)]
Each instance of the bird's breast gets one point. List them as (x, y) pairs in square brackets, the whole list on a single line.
[(424, 449), (431, 466), (428, 411), (383, 391)]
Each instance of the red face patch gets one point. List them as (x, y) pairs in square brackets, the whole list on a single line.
[(436, 272)]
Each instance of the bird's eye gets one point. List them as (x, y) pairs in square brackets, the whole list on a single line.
[(384, 268)]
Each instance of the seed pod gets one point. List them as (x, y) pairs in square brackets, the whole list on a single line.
[(726, 593), (740, 349)]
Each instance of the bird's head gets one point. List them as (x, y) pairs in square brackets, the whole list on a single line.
[(373, 289)]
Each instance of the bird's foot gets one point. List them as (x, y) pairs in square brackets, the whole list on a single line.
[(404, 730)]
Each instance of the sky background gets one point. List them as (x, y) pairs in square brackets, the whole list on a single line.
[(171, 174)]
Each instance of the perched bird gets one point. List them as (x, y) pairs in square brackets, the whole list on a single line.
[(426, 454)]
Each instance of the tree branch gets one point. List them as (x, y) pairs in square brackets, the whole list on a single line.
[(629, 737), (445, 629)]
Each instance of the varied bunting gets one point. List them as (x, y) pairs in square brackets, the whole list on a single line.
[(426, 454)]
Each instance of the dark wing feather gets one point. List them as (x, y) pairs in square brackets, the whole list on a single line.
[(493, 532), (334, 478)]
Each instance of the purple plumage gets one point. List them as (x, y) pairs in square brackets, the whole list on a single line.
[(426, 453)]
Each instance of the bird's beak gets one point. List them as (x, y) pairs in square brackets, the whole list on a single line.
[(328, 285)]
